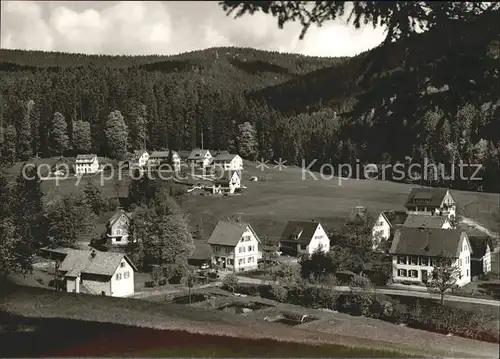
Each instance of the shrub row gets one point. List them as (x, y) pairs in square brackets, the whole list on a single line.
[(416, 313)]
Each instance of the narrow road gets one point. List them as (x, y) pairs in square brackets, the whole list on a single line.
[(387, 291)]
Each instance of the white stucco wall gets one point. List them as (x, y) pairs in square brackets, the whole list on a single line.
[(381, 231), (122, 287), (319, 240), (87, 168), (246, 253)]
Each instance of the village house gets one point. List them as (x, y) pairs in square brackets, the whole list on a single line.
[(229, 183), (415, 253), (417, 221), (235, 246), (140, 158), (481, 254), (86, 164), (158, 158), (199, 158), (99, 273), (228, 162), (300, 237), (385, 225), (117, 228), (431, 201)]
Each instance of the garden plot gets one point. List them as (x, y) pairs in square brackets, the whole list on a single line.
[(244, 307)]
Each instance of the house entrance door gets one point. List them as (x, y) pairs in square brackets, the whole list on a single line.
[(424, 276)]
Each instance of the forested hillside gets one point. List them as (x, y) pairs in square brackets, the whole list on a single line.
[(335, 110)]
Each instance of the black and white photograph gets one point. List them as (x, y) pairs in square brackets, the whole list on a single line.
[(245, 179)]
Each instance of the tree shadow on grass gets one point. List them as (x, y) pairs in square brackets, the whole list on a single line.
[(54, 337)]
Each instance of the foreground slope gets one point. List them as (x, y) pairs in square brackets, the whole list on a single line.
[(39, 303)]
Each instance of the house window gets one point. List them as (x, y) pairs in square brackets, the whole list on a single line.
[(401, 259), (467, 272), (424, 261), (414, 260), (414, 273), (242, 250), (250, 260), (250, 248), (241, 261), (122, 264), (318, 237), (433, 262), (118, 276), (228, 250), (126, 275), (402, 272), (119, 231)]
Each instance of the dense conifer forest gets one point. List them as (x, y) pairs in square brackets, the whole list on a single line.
[(373, 107)]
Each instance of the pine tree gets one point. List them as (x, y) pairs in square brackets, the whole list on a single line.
[(247, 142), (59, 139), (82, 140), (116, 135), (92, 195), (24, 149)]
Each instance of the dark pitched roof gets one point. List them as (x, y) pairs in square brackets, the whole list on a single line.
[(197, 154), (202, 251), (304, 230), (478, 245), (81, 261), (415, 241), (116, 216), (159, 154), (417, 221), (394, 218), (228, 233), (429, 197), (224, 157), (85, 158)]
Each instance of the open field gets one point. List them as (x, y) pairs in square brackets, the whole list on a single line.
[(284, 196), (39, 303)]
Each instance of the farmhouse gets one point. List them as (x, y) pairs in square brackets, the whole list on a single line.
[(199, 158), (158, 158), (481, 254), (86, 164), (228, 184), (431, 201), (99, 273), (234, 246), (227, 162), (140, 158), (416, 251), (117, 228), (303, 237), (416, 221), (385, 225)]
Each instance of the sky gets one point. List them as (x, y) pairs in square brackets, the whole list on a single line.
[(156, 27)]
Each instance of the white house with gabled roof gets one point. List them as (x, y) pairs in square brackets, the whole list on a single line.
[(235, 246), (86, 164), (98, 273)]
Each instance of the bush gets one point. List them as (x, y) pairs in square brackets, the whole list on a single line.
[(149, 284), (230, 282), (279, 292), (162, 281)]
